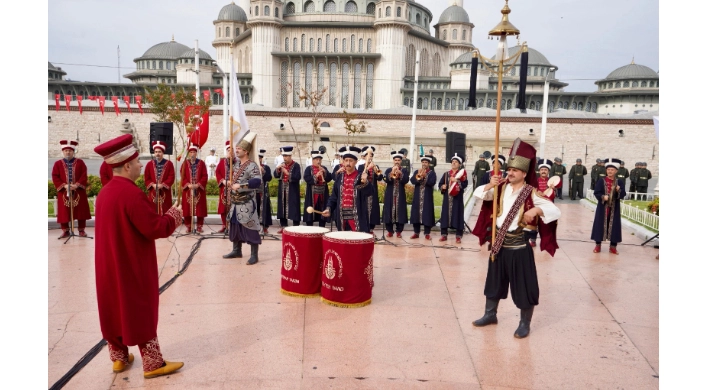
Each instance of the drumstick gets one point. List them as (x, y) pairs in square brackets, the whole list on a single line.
[(311, 210)]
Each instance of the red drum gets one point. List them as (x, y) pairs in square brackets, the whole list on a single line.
[(301, 259), (347, 277)]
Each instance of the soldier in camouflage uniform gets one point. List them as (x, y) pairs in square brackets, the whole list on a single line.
[(594, 173), (558, 170), (622, 173), (576, 180), (642, 182), (633, 175), (480, 168)]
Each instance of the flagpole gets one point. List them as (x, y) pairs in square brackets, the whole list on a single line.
[(414, 105)]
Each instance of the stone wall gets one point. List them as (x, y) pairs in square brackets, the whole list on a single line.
[(569, 139)]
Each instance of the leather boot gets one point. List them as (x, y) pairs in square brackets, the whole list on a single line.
[(490, 316), (524, 327), (254, 254), (236, 251)]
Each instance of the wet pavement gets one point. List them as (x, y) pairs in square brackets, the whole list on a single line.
[(596, 325)]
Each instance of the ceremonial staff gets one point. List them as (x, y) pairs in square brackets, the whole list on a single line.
[(71, 206)]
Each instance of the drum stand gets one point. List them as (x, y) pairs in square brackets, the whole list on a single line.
[(651, 239), (381, 239), (467, 227), (71, 215), (72, 234)]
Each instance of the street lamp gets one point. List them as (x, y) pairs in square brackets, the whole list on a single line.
[(544, 112)]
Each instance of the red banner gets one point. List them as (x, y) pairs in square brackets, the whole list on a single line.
[(202, 127), (92, 98), (219, 91), (127, 99), (102, 103), (206, 94), (79, 98), (139, 99), (56, 101), (67, 100), (115, 104)]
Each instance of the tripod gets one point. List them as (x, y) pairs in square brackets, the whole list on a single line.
[(651, 239), (71, 216)]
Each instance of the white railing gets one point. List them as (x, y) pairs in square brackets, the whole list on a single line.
[(211, 204), (634, 213), (640, 196)]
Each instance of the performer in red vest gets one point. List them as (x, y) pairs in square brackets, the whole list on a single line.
[(512, 258), (105, 173), (70, 180), (193, 173), (543, 167), (221, 173), (125, 261), (160, 175)]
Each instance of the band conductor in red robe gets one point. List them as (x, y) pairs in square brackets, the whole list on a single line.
[(127, 226)]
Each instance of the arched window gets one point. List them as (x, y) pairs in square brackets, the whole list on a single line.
[(594, 107), (460, 107), (438, 104), (226, 32), (566, 106), (635, 84), (296, 84), (309, 81), (167, 65), (345, 45), (370, 10), (295, 44), (327, 43), (399, 12), (309, 6), (256, 11), (465, 104), (411, 58), (267, 10), (588, 107), (535, 70), (153, 65), (444, 35), (320, 77), (286, 44), (303, 42), (510, 104), (436, 66), (454, 34), (463, 34), (345, 86), (352, 43), (350, 7), (329, 6), (388, 11), (276, 12), (419, 103), (215, 98), (574, 105), (369, 45), (618, 84), (246, 99), (643, 84), (290, 9), (369, 85), (333, 83), (358, 84), (424, 62), (320, 45), (626, 84), (335, 45), (219, 32), (447, 104), (311, 44), (425, 104), (489, 102), (359, 45), (406, 101), (580, 108)]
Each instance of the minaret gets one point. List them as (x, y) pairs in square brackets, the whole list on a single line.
[(230, 23), (265, 38), (390, 71)]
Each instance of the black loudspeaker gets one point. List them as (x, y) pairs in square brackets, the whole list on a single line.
[(163, 132), (455, 143)]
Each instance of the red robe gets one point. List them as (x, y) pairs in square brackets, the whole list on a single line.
[(60, 174), (126, 263), (200, 194), (167, 177), (105, 173), (221, 173)]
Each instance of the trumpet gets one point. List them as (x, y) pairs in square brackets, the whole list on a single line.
[(420, 174), (396, 172)]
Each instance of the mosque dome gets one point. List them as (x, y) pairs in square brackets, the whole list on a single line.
[(232, 12), (632, 71), (165, 50), (534, 56), (454, 14), (191, 54)]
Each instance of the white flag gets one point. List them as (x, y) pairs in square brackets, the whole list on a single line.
[(237, 116)]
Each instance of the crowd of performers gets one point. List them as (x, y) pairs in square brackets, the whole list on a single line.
[(128, 222)]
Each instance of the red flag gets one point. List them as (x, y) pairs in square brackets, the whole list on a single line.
[(139, 98), (56, 101), (127, 99), (219, 91), (115, 104), (202, 129), (92, 98), (102, 103), (67, 100), (206, 94), (79, 98)]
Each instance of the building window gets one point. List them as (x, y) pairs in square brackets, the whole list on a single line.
[(406, 101), (311, 42), (327, 43), (358, 81), (438, 104), (153, 65), (296, 84), (345, 86), (369, 84), (335, 45), (167, 65), (350, 7), (236, 32), (510, 104), (369, 45), (643, 84), (320, 44), (512, 71), (370, 10), (574, 106), (594, 107), (444, 35), (399, 12), (359, 46), (488, 103), (321, 77), (425, 105), (215, 98), (463, 34), (226, 32), (295, 44), (329, 6), (290, 9), (276, 12), (309, 6), (286, 44), (345, 45), (454, 34), (219, 32), (635, 84), (309, 81), (588, 108), (352, 44), (460, 108), (333, 83), (419, 19), (388, 11), (447, 104), (256, 11), (303, 42), (618, 84), (267, 11), (419, 103), (626, 84), (535, 70)]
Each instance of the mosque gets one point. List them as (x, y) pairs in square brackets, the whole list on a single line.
[(352, 48)]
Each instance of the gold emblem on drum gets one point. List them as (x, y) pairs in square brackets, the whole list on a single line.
[(369, 271), (288, 261), (330, 267)]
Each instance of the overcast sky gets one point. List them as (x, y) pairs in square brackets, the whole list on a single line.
[(585, 39)]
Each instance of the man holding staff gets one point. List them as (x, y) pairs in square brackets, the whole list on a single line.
[(221, 173), (70, 180), (194, 196), (159, 178)]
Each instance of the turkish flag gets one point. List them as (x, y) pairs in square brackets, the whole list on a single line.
[(206, 94), (91, 97), (102, 103), (127, 99), (202, 129), (67, 100), (115, 104), (139, 99), (219, 91), (79, 98), (56, 101)]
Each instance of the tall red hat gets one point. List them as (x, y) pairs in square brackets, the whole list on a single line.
[(117, 151), (522, 157), (159, 145), (193, 147), (66, 144)]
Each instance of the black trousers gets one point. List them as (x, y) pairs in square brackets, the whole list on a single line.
[(321, 223), (578, 190), (632, 188), (514, 267), (445, 232), (611, 244), (284, 222), (417, 228), (559, 193), (390, 227)]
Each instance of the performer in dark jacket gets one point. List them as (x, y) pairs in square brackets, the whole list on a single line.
[(348, 202), (607, 219), (480, 168), (264, 200), (424, 180), (452, 185), (374, 175), (395, 209), (576, 180), (317, 178), (289, 201)]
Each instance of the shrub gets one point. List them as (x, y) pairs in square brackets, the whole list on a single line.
[(273, 188), (94, 186), (52, 190), (409, 193), (381, 187), (212, 187), (140, 182), (653, 207)]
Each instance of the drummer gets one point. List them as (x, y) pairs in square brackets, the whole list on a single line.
[(544, 167), (351, 189), (452, 185), (317, 178)]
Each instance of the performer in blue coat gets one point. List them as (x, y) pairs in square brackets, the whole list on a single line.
[(452, 185), (289, 201), (607, 219), (348, 202), (424, 180), (486, 178), (264, 200), (374, 175), (317, 178), (395, 209)]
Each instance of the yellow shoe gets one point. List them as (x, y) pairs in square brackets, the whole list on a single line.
[(168, 368), (119, 366)]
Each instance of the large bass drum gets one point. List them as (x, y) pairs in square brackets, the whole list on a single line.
[(301, 260), (347, 278)]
